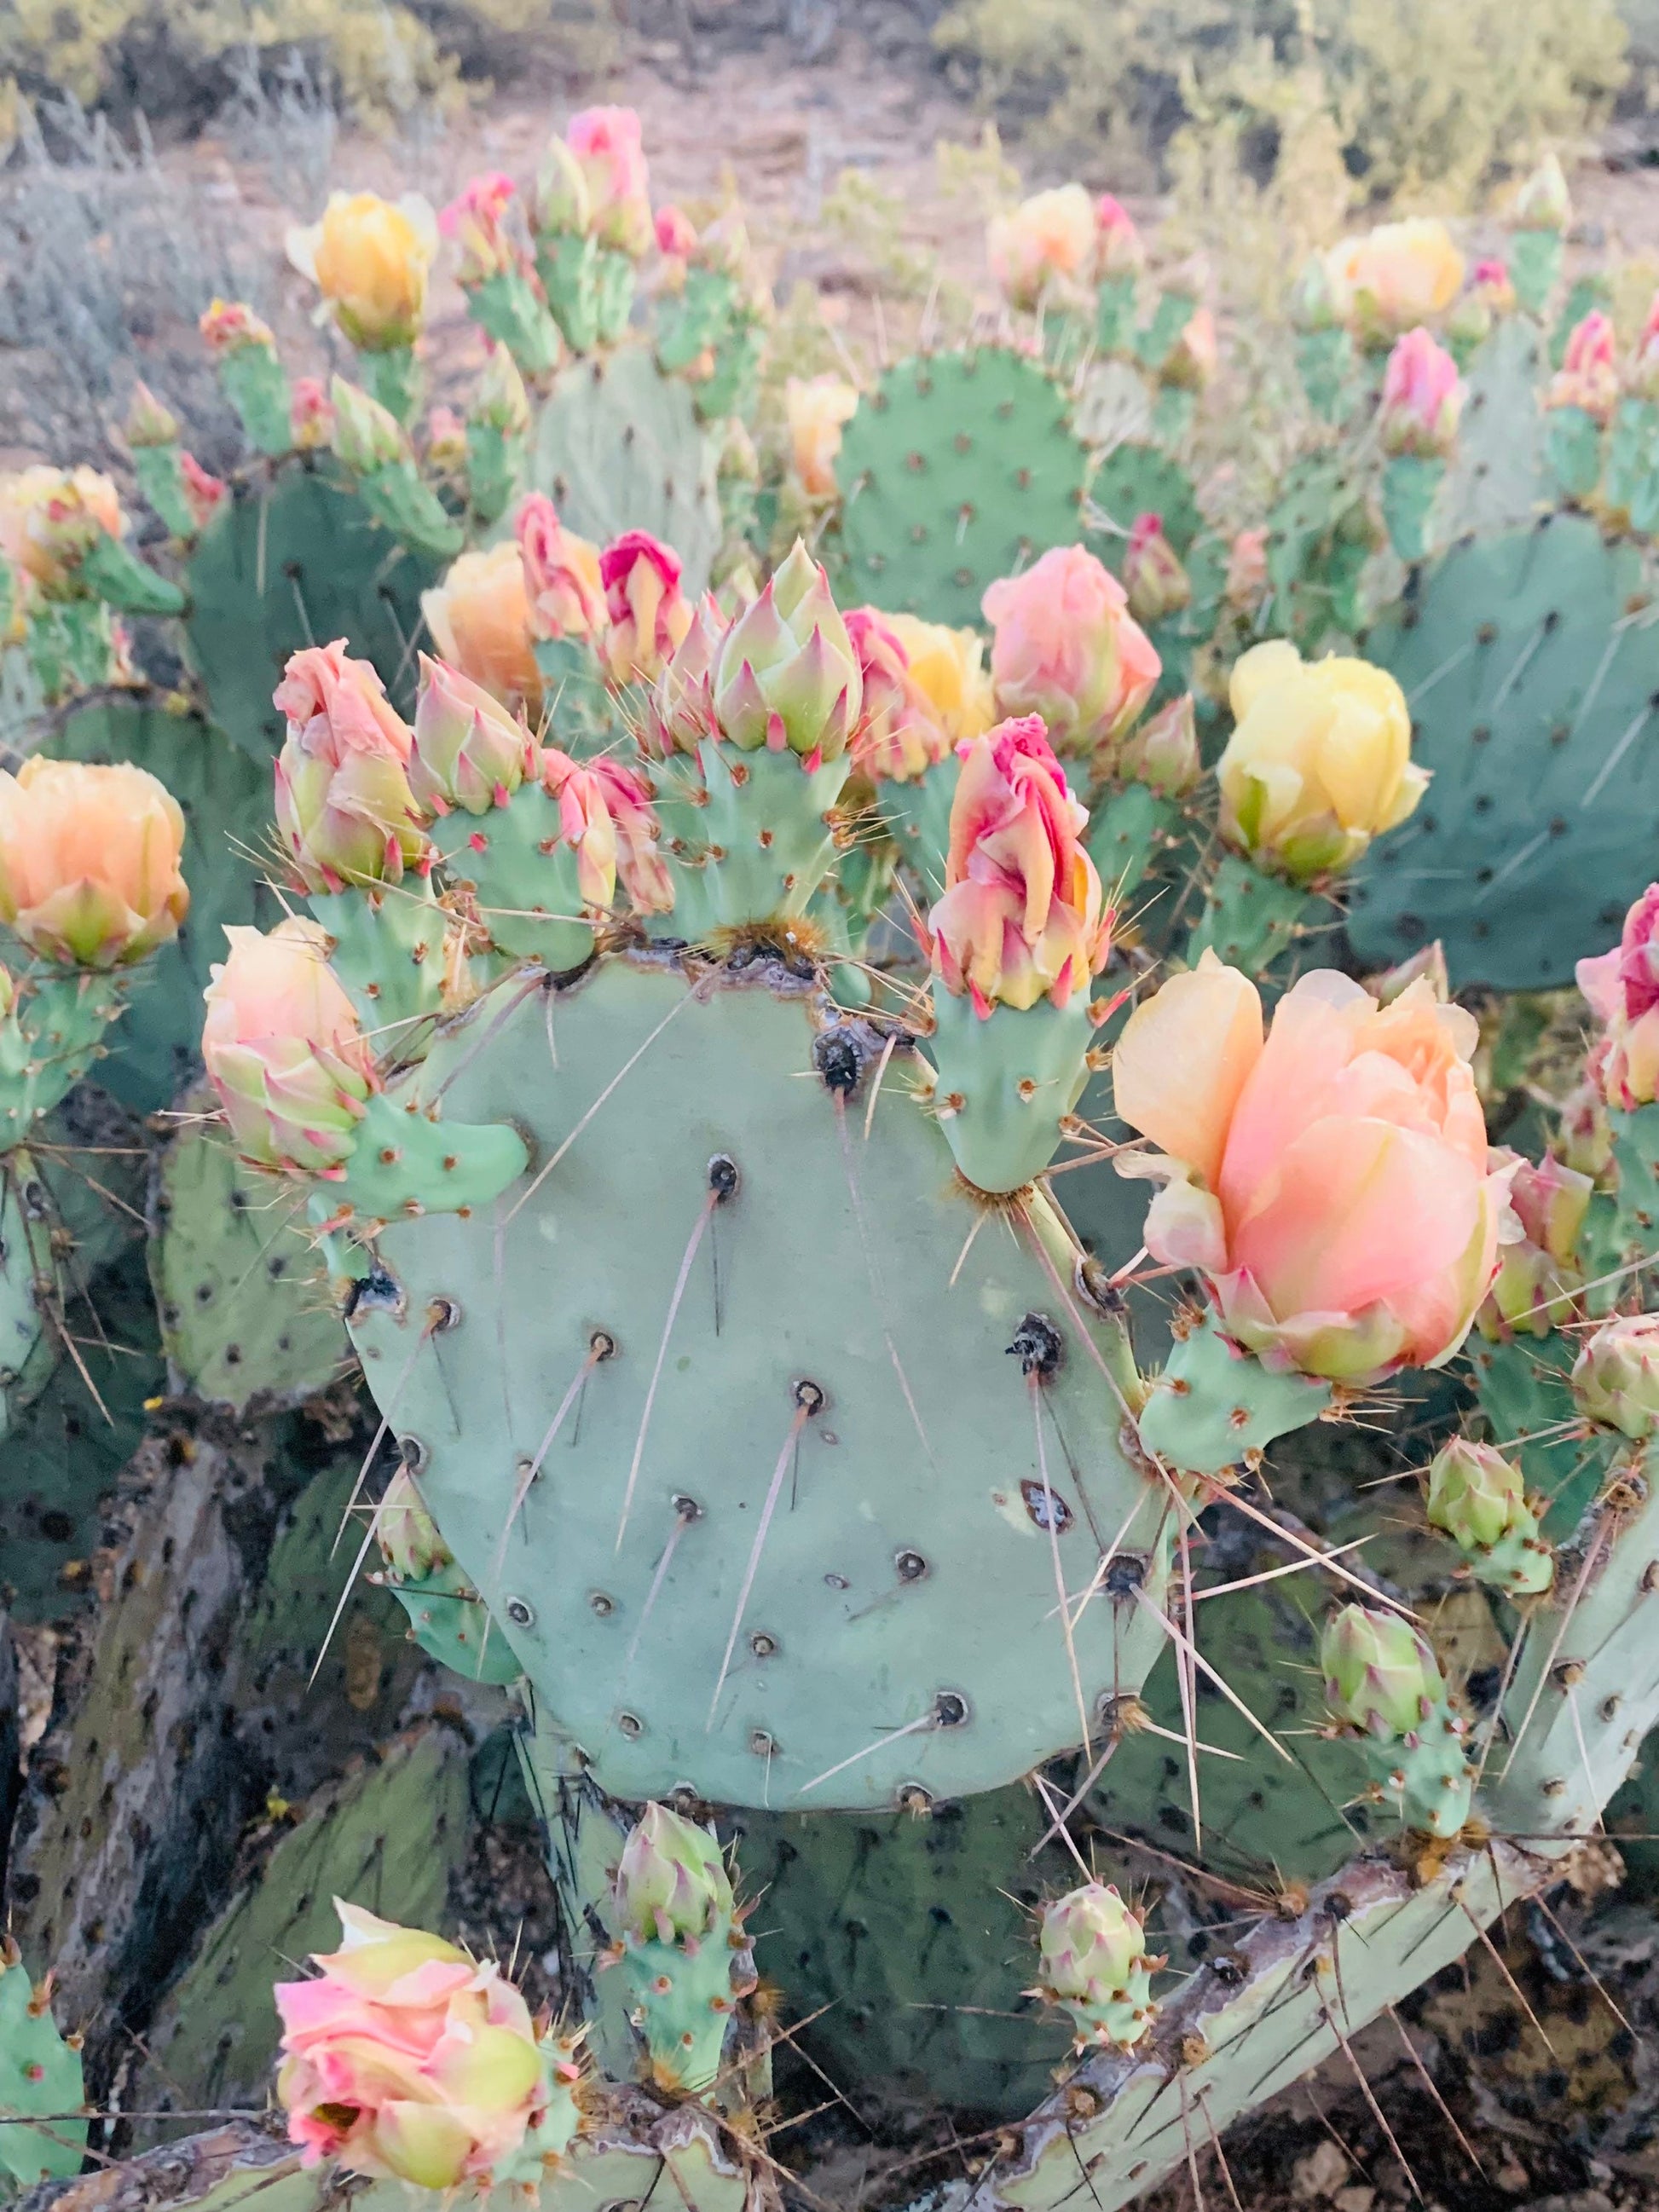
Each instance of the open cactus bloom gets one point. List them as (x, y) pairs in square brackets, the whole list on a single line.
[(1330, 1179), (1394, 277), (1023, 917), (346, 812), (370, 259), (284, 1050), (1319, 761), (900, 736), (89, 873), (482, 617), (406, 2060), (1622, 987), (1052, 239), (50, 518)]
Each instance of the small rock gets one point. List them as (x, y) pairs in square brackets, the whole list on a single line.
[(1360, 2198), (1511, 2177), (1576, 2200), (1321, 2173)]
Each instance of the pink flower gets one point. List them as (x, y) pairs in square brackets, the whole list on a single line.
[(406, 2060), (1021, 918), (1491, 285), (1157, 584), (647, 612), (310, 415), (606, 143), (606, 817), (204, 492), (562, 580), (676, 235), (900, 736), (1588, 377), (1332, 1181), (344, 808), (227, 325), (1119, 252), (1623, 989), (285, 1049), (476, 220), (1067, 649), (1422, 396)]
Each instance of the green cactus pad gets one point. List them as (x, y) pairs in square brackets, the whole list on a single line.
[(1212, 1404), (295, 560), (767, 844), (1007, 1083), (386, 1837), (901, 1584), (1531, 690), (256, 383), (1129, 828), (525, 875), (397, 498), (1497, 479), (495, 461), (618, 447), (450, 1623), (1631, 484), (1251, 919), (1636, 1150), (162, 486), (1573, 448), (683, 2000), (406, 1161), (1133, 480), (1531, 1410), (1320, 538), (1325, 362), (244, 1303), (507, 306), (1534, 263), (224, 796), (21, 1319), (40, 2072), (918, 818), (71, 647), (387, 946), (958, 469), (568, 269), (114, 572), (1411, 488), (48, 1041)]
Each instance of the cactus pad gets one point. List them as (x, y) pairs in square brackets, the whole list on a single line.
[(836, 1576), (1531, 677), (1497, 478), (959, 468)]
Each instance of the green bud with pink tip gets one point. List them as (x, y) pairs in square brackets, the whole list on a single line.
[(1478, 1498), (680, 1927), (788, 676), (1093, 1963), (1383, 1682), (1615, 1378)]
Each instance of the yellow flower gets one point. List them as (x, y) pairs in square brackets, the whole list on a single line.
[(370, 260), (1052, 235), (1396, 276), (946, 666), (1319, 761), (816, 407)]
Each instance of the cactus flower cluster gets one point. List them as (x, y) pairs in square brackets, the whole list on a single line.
[(1622, 987)]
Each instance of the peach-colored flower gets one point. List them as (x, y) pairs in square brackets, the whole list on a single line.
[(1022, 914), (345, 810), (608, 149), (477, 221), (47, 515), (371, 260), (480, 620), (1052, 235), (817, 408), (1587, 377), (1247, 570), (1399, 274), (606, 817), (1623, 989), (947, 666), (1118, 249), (1422, 396), (228, 324), (1191, 363), (1331, 1181), (564, 592), (900, 736), (285, 1049), (647, 612), (1067, 649), (408, 2061), (89, 861), (1319, 761), (310, 415)]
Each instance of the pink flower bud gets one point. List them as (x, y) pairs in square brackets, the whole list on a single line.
[(408, 1537), (680, 713), (1332, 1181), (1587, 377), (501, 402), (646, 613), (900, 736), (606, 817), (345, 810), (226, 325), (478, 221), (788, 678), (89, 861), (1492, 283), (479, 618), (406, 2060), (205, 493), (1067, 649), (1422, 397), (1021, 915), (468, 750), (285, 1049), (562, 585), (1543, 202), (1118, 249), (1623, 989), (148, 422), (1162, 753), (606, 142), (676, 235), (1615, 1378), (446, 441), (1153, 577), (311, 416)]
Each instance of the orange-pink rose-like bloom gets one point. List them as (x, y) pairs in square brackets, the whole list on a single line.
[(1052, 235), (1332, 1180), (1623, 989), (1067, 649), (647, 612), (1587, 377), (89, 861), (608, 148), (407, 2060), (900, 736), (1399, 274), (1022, 917), (563, 590), (1422, 397), (480, 620), (606, 817), (344, 808), (285, 1049)]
